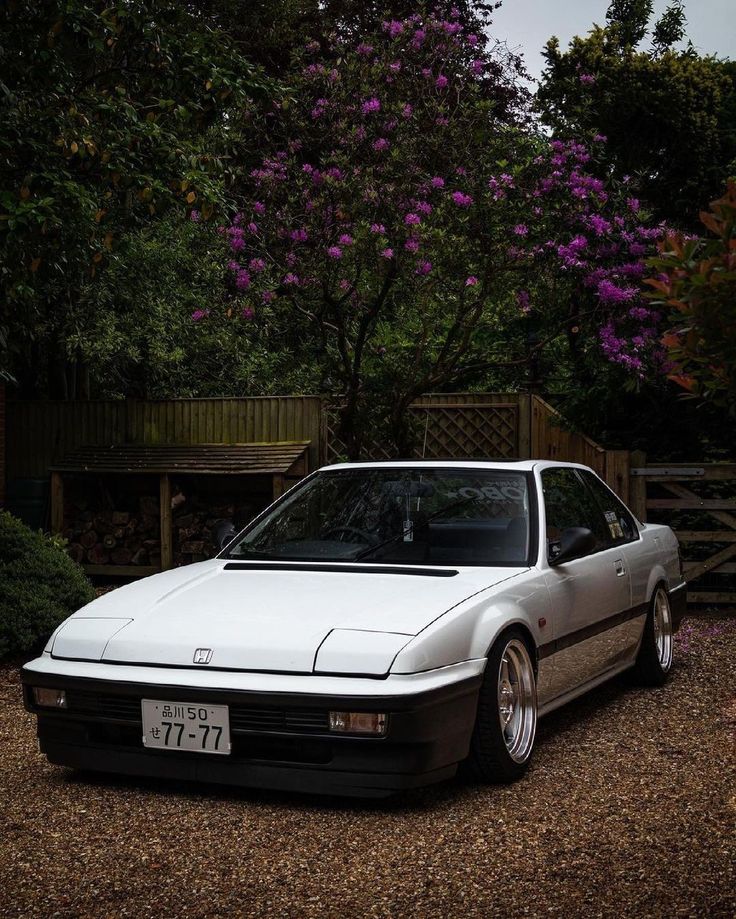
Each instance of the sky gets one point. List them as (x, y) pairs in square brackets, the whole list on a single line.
[(527, 24)]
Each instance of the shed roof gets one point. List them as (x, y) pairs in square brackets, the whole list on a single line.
[(274, 458)]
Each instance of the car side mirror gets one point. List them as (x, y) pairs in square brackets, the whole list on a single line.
[(223, 533), (575, 542)]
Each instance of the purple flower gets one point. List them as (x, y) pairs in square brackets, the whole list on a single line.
[(267, 296), (378, 228), (610, 294), (599, 224), (472, 281), (461, 199), (437, 182), (380, 144), (394, 66), (299, 236), (521, 229), (364, 50), (334, 252), (423, 268), (407, 111), (259, 207), (253, 227), (346, 239), (477, 67), (412, 219), (242, 279), (237, 243), (472, 40), (334, 173), (586, 78), (441, 81), (194, 216), (248, 312), (387, 253), (371, 105), (292, 279), (412, 244), (344, 284), (522, 301), (394, 28), (257, 264), (633, 204), (233, 265), (424, 207), (200, 314)]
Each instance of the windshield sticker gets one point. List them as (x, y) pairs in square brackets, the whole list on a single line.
[(613, 525)]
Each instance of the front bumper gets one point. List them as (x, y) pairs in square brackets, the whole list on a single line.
[(280, 739)]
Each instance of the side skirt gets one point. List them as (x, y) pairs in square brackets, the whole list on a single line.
[(583, 688)]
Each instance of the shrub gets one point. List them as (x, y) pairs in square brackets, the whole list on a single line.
[(39, 586)]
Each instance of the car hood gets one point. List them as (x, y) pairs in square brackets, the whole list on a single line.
[(283, 618)]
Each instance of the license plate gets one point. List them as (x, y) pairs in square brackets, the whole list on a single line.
[(196, 728)]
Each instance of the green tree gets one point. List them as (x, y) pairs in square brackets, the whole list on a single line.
[(111, 112), (668, 114), (696, 285)]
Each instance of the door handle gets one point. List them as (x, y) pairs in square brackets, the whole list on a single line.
[(620, 569)]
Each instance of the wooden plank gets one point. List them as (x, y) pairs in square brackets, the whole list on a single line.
[(278, 486), (688, 472), (127, 571), (695, 570), (57, 502), (616, 472), (716, 598), (638, 487), (167, 549), (706, 535), (692, 504)]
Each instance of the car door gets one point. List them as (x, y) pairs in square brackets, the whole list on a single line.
[(590, 595)]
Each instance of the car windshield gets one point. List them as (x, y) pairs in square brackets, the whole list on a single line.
[(406, 516)]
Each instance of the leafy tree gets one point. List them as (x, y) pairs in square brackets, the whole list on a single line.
[(668, 114), (696, 285), (402, 210), (110, 113)]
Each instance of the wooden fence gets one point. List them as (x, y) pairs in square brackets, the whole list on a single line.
[(42, 433), (699, 502)]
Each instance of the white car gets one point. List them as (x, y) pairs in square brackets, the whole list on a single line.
[(377, 626)]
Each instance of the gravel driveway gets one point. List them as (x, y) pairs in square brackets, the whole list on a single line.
[(628, 810)]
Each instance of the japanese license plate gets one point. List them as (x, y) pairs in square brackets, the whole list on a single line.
[(196, 728)]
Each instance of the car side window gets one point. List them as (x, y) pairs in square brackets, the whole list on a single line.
[(619, 522), (568, 503)]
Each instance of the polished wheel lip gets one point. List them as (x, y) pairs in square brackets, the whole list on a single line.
[(517, 700), (662, 622)]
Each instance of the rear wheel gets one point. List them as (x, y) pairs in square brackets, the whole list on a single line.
[(506, 723), (654, 661)]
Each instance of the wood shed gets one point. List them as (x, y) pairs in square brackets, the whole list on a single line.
[(135, 509)]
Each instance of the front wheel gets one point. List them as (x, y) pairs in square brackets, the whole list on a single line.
[(654, 661), (503, 737)]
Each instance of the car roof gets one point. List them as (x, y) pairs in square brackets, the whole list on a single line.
[(515, 465)]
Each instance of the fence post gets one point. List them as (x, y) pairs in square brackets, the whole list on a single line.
[(524, 426), (616, 472), (638, 486)]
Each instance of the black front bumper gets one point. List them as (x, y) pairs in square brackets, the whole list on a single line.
[(280, 741)]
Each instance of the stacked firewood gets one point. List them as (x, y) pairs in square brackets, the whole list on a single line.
[(115, 537), (194, 524)]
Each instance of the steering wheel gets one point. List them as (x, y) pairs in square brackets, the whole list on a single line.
[(362, 535)]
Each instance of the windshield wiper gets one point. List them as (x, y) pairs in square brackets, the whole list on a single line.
[(386, 542)]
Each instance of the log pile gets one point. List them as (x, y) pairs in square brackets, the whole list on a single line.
[(118, 537), (114, 537)]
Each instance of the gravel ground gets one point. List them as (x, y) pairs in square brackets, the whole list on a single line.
[(628, 810)]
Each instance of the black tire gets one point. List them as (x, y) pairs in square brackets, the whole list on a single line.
[(490, 759), (654, 661)]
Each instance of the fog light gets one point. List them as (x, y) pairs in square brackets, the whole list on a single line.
[(357, 723), (49, 698)]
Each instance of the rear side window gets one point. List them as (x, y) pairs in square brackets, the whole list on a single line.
[(569, 503), (619, 522)]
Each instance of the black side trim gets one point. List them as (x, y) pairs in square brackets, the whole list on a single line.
[(340, 567), (590, 631), (678, 604)]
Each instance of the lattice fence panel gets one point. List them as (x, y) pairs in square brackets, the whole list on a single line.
[(459, 431)]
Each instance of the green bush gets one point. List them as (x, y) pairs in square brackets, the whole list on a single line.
[(39, 587)]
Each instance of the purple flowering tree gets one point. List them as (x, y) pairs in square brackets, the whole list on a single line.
[(407, 212)]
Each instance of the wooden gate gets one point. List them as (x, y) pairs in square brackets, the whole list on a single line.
[(699, 503)]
